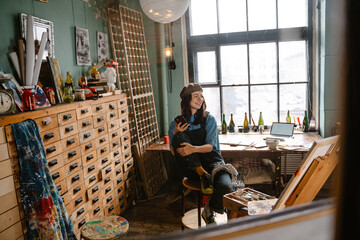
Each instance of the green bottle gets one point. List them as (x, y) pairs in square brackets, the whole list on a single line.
[(246, 124), (223, 125), (305, 126), (288, 118), (231, 124), (261, 124)]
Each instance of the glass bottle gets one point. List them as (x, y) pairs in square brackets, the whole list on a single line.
[(223, 125), (231, 124), (305, 126), (246, 123), (69, 82), (94, 72), (288, 118), (261, 124)]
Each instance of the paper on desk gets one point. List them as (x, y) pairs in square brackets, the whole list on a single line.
[(261, 206)]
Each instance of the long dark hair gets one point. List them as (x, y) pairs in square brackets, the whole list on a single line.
[(200, 115)]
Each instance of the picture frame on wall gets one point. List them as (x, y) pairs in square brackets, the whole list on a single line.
[(82, 45), (102, 46)]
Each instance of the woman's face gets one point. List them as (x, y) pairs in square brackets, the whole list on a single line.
[(196, 102)]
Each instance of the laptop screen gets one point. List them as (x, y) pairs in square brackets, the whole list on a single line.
[(282, 129)]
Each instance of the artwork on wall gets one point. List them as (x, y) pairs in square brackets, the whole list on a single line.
[(102, 46), (82, 46), (57, 82)]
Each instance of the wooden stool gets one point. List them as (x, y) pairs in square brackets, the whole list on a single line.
[(189, 219), (105, 228), (196, 186)]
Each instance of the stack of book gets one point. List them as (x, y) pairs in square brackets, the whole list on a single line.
[(98, 84)]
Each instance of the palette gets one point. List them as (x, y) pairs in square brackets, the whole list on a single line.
[(243, 196)]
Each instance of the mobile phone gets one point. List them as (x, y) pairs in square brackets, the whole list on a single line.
[(180, 119)]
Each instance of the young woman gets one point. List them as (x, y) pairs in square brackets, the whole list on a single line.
[(195, 145)]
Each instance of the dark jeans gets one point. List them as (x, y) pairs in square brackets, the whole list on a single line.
[(186, 165)]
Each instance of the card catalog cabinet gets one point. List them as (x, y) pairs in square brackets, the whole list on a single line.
[(88, 151)]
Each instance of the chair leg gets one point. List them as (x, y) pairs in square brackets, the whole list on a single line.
[(182, 206), (199, 202)]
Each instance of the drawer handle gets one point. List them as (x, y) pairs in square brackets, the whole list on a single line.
[(71, 154), (88, 146), (82, 223), (87, 135), (59, 188), (108, 190), (111, 106), (84, 124), (126, 146), (93, 178), (115, 143), (103, 150), (107, 180), (108, 199), (95, 200), (49, 135), (127, 155), (81, 211), (101, 129), (67, 116), (125, 129), (112, 115), (108, 170), (98, 108), (69, 129), (113, 125), (122, 205), (53, 162), (118, 171), (73, 166), (104, 160), (51, 149), (55, 176), (114, 134), (116, 153), (96, 210), (76, 189), (122, 102), (102, 140), (91, 168), (129, 164), (119, 181), (124, 120), (89, 157), (119, 190), (70, 141), (95, 189), (79, 200), (99, 119), (121, 198), (111, 208), (126, 138), (83, 111), (46, 122), (117, 162), (123, 111), (74, 179)]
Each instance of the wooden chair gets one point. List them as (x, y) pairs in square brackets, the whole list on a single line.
[(187, 218)]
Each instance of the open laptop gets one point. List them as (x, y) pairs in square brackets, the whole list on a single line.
[(283, 130)]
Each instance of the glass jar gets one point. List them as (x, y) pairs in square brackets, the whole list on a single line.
[(68, 94), (28, 100), (80, 95)]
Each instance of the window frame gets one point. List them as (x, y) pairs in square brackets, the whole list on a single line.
[(213, 42)]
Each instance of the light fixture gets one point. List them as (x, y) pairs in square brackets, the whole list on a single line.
[(168, 52), (164, 11)]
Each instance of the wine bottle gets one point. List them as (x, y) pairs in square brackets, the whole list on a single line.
[(261, 123), (231, 124), (246, 123), (288, 118), (305, 126), (223, 125)]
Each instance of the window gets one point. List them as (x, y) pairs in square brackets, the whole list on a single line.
[(251, 56)]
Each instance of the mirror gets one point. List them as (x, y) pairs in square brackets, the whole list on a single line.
[(40, 26)]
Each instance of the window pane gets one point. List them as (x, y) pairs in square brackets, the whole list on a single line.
[(293, 98), (234, 66), (206, 67), (262, 63), (264, 99), (292, 61), (232, 16), (212, 98), (236, 101), (292, 13), (262, 14), (203, 17)]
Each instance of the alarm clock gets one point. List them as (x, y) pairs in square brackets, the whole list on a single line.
[(7, 102)]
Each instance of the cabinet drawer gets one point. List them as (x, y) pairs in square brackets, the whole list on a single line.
[(118, 174), (55, 162), (66, 199), (73, 166), (128, 174), (112, 115), (108, 191), (108, 181), (97, 211), (8, 201), (71, 155), (66, 117), (107, 171), (5, 168), (99, 120), (110, 209), (88, 147), (98, 109), (80, 212), (58, 175), (123, 120), (85, 124), (115, 154), (47, 123), (114, 134), (89, 158), (77, 190), (102, 141), (121, 103), (98, 199), (91, 180), (61, 187), (118, 163), (70, 142), (125, 147), (94, 190), (50, 136), (103, 151), (127, 155), (124, 129), (123, 112), (5, 151), (13, 232), (120, 189), (115, 143), (74, 179), (126, 139), (104, 161), (109, 199), (83, 112), (2, 135), (100, 130), (91, 168), (110, 106), (128, 164), (114, 124), (79, 224), (86, 136), (68, 130), (53, 149)]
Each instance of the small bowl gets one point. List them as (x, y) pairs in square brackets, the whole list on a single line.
[(272, 143)]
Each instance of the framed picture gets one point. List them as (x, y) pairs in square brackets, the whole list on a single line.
[(102, 46), (57, 81), (40, 26), (8, 82), (82, 46)]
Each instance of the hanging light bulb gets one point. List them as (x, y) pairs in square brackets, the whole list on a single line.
[(164, 11), (168, 52)]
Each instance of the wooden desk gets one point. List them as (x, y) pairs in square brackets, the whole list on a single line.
[(253, 145)]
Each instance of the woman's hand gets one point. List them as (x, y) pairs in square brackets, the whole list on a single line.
[(187, 149), (180, 128)]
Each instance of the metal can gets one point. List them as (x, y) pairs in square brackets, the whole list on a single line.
[(50, 93)]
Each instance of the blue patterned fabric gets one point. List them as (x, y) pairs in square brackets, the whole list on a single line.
[(45, 213)]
